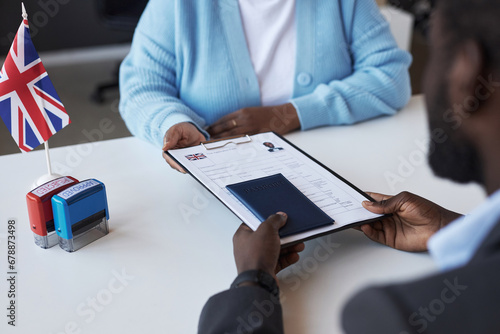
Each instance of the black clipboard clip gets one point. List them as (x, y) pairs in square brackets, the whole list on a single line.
[(230, 140)]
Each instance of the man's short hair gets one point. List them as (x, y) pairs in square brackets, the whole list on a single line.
[(478, 20)]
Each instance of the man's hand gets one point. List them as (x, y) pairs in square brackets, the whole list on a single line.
[(414, 220), (261, 249), (179, 136), (280, 119)]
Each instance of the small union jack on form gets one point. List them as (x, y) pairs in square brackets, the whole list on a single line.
[(29, 104), (196, 156)]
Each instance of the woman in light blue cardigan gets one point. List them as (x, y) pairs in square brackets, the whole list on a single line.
[(189, 73)]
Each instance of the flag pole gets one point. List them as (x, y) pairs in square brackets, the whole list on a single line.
[(50, 176), (47, 177), (47, 156), (25, 14)]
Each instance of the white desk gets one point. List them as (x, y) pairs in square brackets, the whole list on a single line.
[(178, 261)]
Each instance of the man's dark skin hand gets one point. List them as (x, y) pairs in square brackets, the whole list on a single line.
[(261, 249), (414, 220)]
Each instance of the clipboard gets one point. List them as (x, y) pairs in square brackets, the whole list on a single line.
[(220, 143), (217, 163)]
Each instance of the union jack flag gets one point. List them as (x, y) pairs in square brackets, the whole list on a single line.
[(196, 156), (29, 104)]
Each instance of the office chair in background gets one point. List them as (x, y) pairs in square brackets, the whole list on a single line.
[(120, 15), (421, 11)]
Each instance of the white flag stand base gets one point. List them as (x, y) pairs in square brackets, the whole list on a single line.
[(44, 179), (47, 177)]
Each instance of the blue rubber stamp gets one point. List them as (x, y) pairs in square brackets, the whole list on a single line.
[(81, 214)]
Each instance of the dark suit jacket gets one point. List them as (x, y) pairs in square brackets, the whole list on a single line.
[(464, 300)]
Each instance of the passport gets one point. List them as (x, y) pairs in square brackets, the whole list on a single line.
[(267, 195)]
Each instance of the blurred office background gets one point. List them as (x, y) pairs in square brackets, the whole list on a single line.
[(81, 43)]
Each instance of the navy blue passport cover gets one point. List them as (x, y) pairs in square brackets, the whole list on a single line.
[(267, 195)]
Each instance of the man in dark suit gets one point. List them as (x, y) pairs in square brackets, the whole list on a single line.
[(461, 85)]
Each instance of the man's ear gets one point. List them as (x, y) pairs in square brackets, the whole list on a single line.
[(465, 70)]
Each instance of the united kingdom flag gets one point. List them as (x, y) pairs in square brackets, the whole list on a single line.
[(29, 104), (196, 156)]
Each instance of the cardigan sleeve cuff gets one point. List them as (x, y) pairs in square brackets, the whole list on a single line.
[(312, 111)]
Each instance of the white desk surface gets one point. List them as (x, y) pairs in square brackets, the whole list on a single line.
[(178, 261)]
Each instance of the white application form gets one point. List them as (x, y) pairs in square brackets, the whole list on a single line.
[(218, 164)]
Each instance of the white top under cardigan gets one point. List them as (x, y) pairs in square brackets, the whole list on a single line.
[(271, 37)]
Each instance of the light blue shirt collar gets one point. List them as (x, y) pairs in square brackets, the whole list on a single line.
[(454, 245)]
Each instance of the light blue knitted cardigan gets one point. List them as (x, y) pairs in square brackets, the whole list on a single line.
[(189, 62)]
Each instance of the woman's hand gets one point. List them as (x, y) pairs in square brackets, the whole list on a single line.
[(179, 136), (248, 121)]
